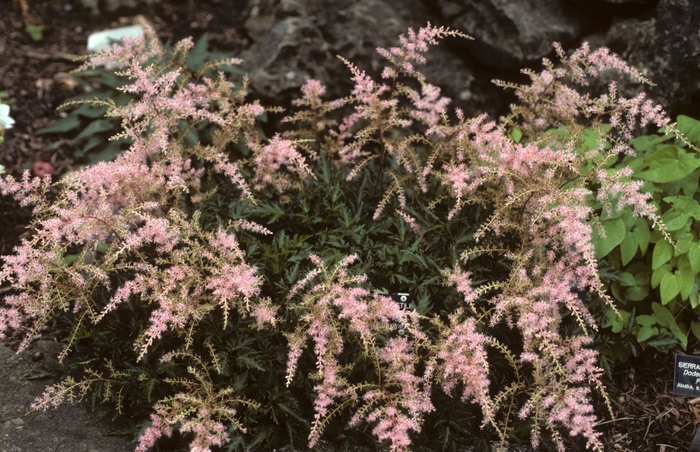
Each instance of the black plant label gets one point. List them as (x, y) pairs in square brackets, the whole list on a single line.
[(686, 375)]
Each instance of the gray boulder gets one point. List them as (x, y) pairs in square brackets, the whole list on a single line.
[(295, 40), (292, 52), (301, 39), (666, 49), (510, 34)]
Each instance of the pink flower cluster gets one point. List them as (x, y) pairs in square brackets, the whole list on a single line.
[(125, 218), (336, 310)]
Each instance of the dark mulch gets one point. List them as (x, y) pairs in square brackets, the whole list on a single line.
[(648, 417)]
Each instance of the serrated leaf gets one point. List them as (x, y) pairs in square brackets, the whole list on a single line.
[(198, 54), (93, 142), (662, 343), (663, 252), (63, 125), (111, 80), (90, 111), (670, 287), (95, 127), (248, 362), (110, 151)]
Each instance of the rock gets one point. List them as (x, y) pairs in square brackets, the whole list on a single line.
[(299, 39), (308, 35), (510, 34), (666, 49), (291, 53)]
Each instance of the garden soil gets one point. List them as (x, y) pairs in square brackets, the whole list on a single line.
[(66, 428), (35, 75)]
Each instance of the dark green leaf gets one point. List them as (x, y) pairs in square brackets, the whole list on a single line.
[(198, 54), (98, 126), (63, 125)]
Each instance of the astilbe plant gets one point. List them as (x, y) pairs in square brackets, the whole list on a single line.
[(137, 223)]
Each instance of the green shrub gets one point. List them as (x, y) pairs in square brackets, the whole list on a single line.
[(653, 275), (233, 289), (102, 86)]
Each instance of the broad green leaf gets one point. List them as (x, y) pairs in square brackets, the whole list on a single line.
[(647, 143), (614, 234), (617, 322), (694, 257), (687, 275), (674, 220), (670, 287), (689, 184), (70, 258), (516, 134), (659, 274), (643, 279), (646, 332), (628, 248), (685, 205), (663, 252), (637, 293), (693, 296), (642, 234), (627, 279), (690, 128), (662, 315), (617, 292), (63, 125), (681, 335), (668, 167), (683, 244), (645, 320)]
